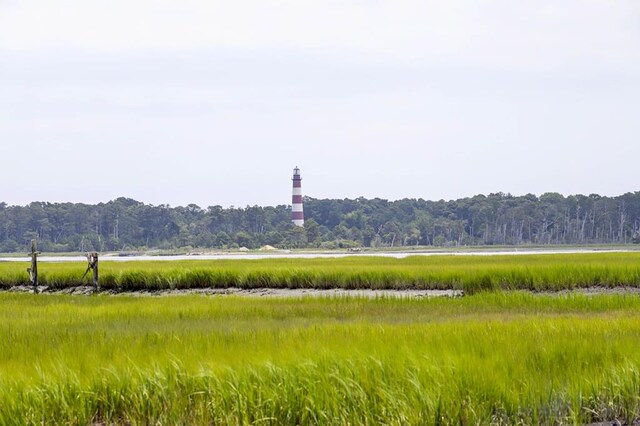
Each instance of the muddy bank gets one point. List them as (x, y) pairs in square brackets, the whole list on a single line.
[(310, 292), (255, 292), (596, 290)]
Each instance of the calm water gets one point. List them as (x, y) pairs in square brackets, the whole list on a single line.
[(397, 255)]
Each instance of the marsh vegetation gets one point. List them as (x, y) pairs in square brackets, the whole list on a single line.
[(490, 358), (542, 272)]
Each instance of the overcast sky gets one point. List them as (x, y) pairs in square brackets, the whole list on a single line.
[(214, 102)]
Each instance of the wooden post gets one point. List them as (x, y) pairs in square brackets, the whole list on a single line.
[(33, 271), (92, 258), (95, 271)]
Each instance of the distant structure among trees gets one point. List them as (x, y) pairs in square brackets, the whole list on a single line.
[(297, 212), (495, 219)]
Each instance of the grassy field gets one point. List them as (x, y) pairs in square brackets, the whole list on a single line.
[(500, 358), (468, 273)]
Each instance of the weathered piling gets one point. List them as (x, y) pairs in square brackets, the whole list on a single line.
[(92, 259), (33, 270)]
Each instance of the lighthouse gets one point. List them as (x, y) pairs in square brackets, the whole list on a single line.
[(297, 214)]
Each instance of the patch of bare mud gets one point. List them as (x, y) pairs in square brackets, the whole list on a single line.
[(308, 292), (616, 423), (596, 290), (255, 292)]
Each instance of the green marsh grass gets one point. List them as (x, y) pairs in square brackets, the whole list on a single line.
[(542, 272), (492, 358)]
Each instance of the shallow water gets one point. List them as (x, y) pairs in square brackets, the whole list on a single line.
[(287, 255)]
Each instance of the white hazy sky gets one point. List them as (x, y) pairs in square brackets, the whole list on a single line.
[(214, 102)]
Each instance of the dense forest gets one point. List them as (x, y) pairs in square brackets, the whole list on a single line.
[(496, 219)]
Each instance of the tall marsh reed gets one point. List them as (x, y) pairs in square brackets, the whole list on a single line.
[(493, 358), (469, 273)]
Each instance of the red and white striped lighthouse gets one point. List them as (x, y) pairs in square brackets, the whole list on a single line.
[(297, 213)]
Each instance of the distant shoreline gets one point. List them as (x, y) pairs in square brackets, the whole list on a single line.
[(285, 254)]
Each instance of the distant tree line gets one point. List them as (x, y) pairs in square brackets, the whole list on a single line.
[(497, 219)]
